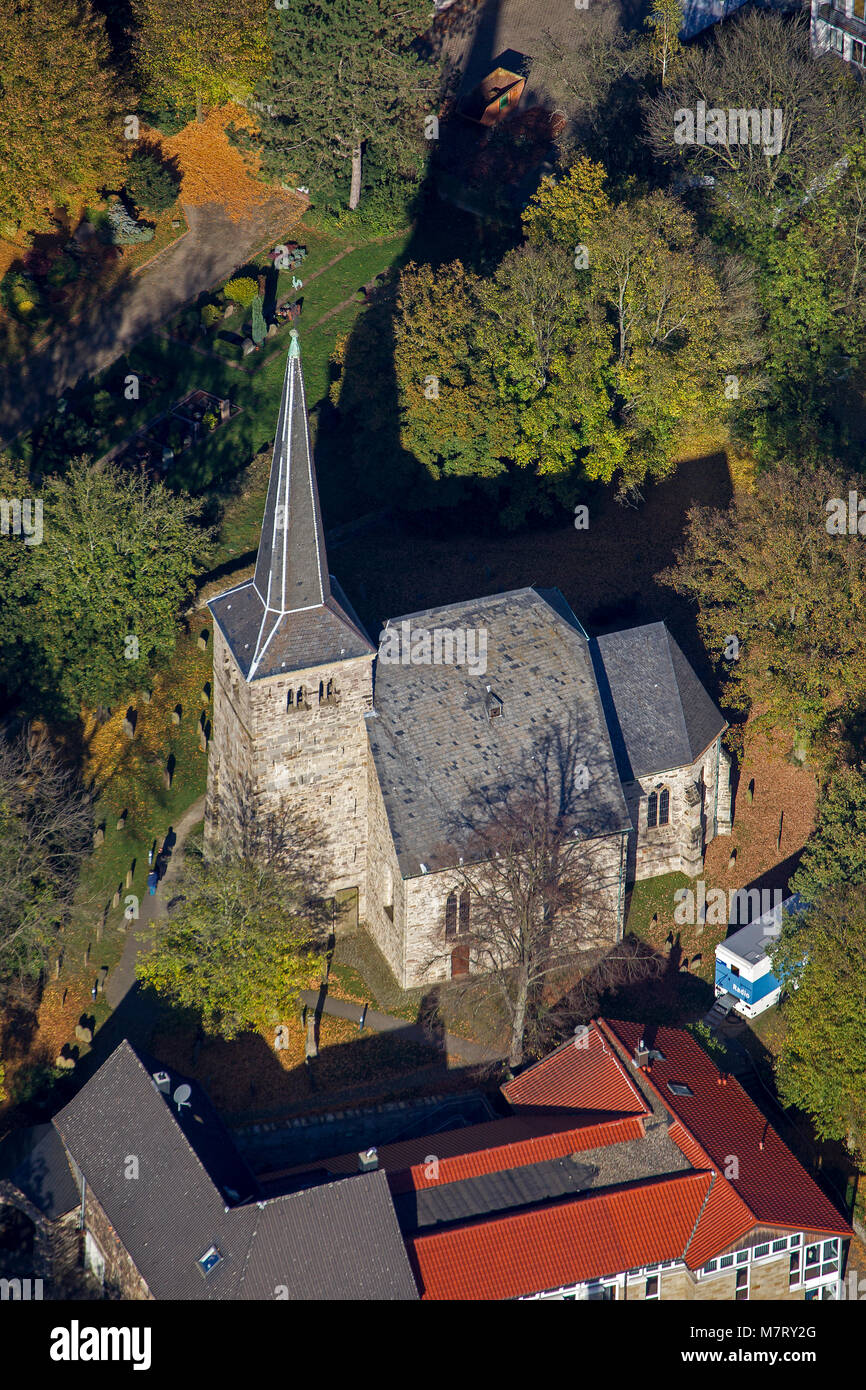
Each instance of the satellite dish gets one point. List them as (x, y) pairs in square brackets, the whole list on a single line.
[(182, 1095)]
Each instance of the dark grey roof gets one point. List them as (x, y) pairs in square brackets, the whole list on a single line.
[(34, 1161), (179, 1205), (286, 616), (338, 1241), (660, 716), (471, 1198), (434, 743)]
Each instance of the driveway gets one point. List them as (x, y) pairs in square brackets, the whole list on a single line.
[(207, 255)]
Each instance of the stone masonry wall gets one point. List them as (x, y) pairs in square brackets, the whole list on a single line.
[(428, 953), (315, 757), (679, 846), (120, 1270), (386, 888)]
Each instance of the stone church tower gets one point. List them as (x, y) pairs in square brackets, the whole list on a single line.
[(293, 672)]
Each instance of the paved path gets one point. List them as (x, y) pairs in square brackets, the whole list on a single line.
[(412, 1032), (209, 253), (122, 978)]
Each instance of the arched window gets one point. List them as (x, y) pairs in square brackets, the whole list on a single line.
[(652, 810), (321, 691), (450, 915), (464, 911), (290, 700), (664, 806), (301, 697)]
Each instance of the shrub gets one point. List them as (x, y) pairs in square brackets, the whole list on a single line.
[(151, 181), (241, 291), (259, 330), (211, 315), (125, 231), (209, 420)]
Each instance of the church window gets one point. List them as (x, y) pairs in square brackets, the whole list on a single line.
[(652, 810), (451, 915), (463, 925), (301, 697), (290, 700), (664, 806), (321, 691)]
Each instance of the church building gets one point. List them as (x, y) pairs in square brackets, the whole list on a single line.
[(378, 746)]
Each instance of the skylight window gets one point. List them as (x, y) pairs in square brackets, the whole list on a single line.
[(679, 1088), (209, 1260)]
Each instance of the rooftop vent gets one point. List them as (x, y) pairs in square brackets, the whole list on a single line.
[(494, 705), (368, 1161)]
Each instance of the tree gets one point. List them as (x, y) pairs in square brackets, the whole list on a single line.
[(343, 76), (259, 328), (93, 607), (649, 273), (46, 829), (541, 880), (61, 111), (821, 1064), (245, 933), (664, 22), (775, 590), (759, 62), (835, 853), (205, 51), (152, 182), (242, 290)]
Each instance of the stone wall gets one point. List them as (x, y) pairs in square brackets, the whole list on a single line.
[(427, 953), (767, 1281), (313, 757), (385, 915), (695, 814), (120, 1272)]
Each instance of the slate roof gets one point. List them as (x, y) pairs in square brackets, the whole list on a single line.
[(340, 1241), (659, 714), (288, 617), (433, 741), (33, 1160)]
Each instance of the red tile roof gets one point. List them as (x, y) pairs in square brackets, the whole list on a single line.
[(491, 1146), (513, 1154), (727, 1125), (583, 1074), (528, 1252)]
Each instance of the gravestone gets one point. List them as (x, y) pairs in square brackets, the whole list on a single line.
[(145, 695), (203, 639), (121, 821), (64, 1063), (225, 409), (228, 311), (98, 837), (248, 347), (202, 740), (272, 330), (115, 901), (176, 714), (129, 877), (129, 723), (166, 779), (83, 1034)]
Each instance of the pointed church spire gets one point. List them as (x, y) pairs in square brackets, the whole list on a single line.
[(287, 616), (291, 567)]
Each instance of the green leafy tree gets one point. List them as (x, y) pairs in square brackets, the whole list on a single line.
[(835, 853), (769, 574), (343, 76), (821, 1064), (92, 606), (61, 111), (152, 181), (203, 51), (664, 22), (241, 943)]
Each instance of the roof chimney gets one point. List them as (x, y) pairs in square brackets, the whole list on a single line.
[(641, 1054), (162, 1081), (368, 1161)]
